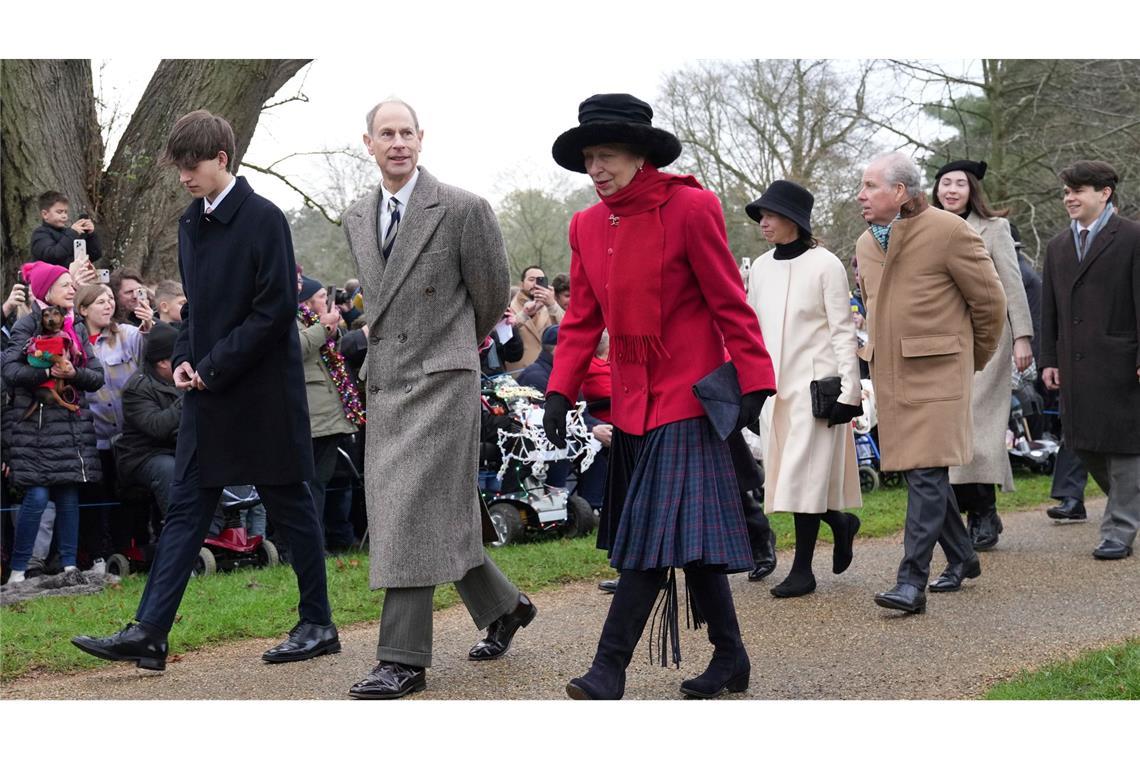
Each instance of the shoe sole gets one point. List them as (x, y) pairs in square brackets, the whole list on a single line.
[(736, 685), (523, 624), (892, 606), (1064, 520), (577, 692), (279, 659), (395, 695), (943, 590), (1125, 555), (146, 663)]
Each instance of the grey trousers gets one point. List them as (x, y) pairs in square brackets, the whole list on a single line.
[(1069, 476), (405, 623), (931, 517), (1118, 475)]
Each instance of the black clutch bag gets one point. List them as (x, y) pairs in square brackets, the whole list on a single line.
[(824, 394), (719, 394)]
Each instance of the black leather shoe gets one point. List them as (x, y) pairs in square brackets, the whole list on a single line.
[(765, 559), (1109, 549), (609, 586), (500, 632), (390, 680), (306, 640), (951, 578), (988, 528), (903, 597), (130, 644), (1069, 509), (794, 585)]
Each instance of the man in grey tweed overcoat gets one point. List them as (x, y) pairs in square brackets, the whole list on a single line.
[(434, 272)]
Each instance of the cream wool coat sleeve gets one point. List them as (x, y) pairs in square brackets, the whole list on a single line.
[(805, 316)]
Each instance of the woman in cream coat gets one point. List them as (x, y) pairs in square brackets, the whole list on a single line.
[(958, 189), (799, 291)]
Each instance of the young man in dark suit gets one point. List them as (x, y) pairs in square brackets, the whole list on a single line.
[(244, 415), (1090, 320)]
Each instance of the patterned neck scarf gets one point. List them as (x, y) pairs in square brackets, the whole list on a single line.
[(334, 361), (882, 232)]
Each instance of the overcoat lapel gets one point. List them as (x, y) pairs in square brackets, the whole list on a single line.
[(362, 228), (423, 216), (1100, 242)]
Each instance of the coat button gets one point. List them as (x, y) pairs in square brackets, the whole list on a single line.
[(625, 388), (408, 388), (402, 338), (374, 339), (1076, 320), (374, 389), (609, 250), (1080, 356), (429, 291)]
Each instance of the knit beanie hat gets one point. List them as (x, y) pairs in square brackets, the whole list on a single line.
[(309, 288), (160, 342), (40, 276)]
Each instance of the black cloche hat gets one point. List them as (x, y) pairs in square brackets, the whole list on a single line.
[(977, 168), (614, 118), (786, 199)]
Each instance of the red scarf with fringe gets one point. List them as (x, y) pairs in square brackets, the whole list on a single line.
[(638, 261)]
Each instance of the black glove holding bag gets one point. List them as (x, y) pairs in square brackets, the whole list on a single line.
[(554, 419), (841, 414)]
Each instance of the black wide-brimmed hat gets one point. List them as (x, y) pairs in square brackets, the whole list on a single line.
[(977, 168), (786, 199), (615, 118)]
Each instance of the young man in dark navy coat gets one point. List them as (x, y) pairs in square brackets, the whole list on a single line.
[(245, 416)]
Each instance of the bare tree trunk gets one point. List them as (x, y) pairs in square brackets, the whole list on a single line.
[(51, 141), (143, 201)]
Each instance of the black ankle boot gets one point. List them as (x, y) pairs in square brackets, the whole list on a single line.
[(729, 668), (629, 611)]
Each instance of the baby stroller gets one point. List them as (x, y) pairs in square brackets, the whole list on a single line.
[(1026, 407), (871, 475), (517, 496)]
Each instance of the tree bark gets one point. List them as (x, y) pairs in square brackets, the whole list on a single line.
[(143, 200), (51, 141)]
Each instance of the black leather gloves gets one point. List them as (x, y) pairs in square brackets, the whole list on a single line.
[(750, 406), (841, 414), (554, 419)]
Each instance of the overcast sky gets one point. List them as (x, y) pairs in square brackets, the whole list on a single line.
[(478, 136)]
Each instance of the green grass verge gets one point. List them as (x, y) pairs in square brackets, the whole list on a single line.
[(1112, 673), (36, 635)]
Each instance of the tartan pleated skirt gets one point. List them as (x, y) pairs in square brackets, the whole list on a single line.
[(672, 500)]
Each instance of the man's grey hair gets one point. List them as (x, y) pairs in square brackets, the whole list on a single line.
[(900, 169), (372, 113)]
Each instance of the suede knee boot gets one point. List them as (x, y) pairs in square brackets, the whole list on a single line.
[(629, 611), (729, 668)]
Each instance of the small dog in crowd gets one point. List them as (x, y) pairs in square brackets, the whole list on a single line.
[(52, 348)]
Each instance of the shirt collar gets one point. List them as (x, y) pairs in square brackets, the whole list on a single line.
[(207, 207), (403, 194)]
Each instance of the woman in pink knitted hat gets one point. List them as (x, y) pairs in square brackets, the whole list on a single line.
[(51, 451)]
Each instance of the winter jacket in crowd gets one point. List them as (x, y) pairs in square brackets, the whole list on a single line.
[(57, 246), (54, 446), (152, 409)]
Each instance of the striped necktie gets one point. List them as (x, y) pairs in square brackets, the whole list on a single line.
[(1084, 247), (393, 226)]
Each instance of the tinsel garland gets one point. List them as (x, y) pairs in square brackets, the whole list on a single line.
[(334, 361)]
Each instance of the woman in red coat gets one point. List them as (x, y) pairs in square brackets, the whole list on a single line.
[(651, 263)]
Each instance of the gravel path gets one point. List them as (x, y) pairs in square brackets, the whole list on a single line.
[(1041, 597)]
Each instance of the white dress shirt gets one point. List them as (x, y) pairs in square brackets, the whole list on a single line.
[(208, 207), (402, 196)]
